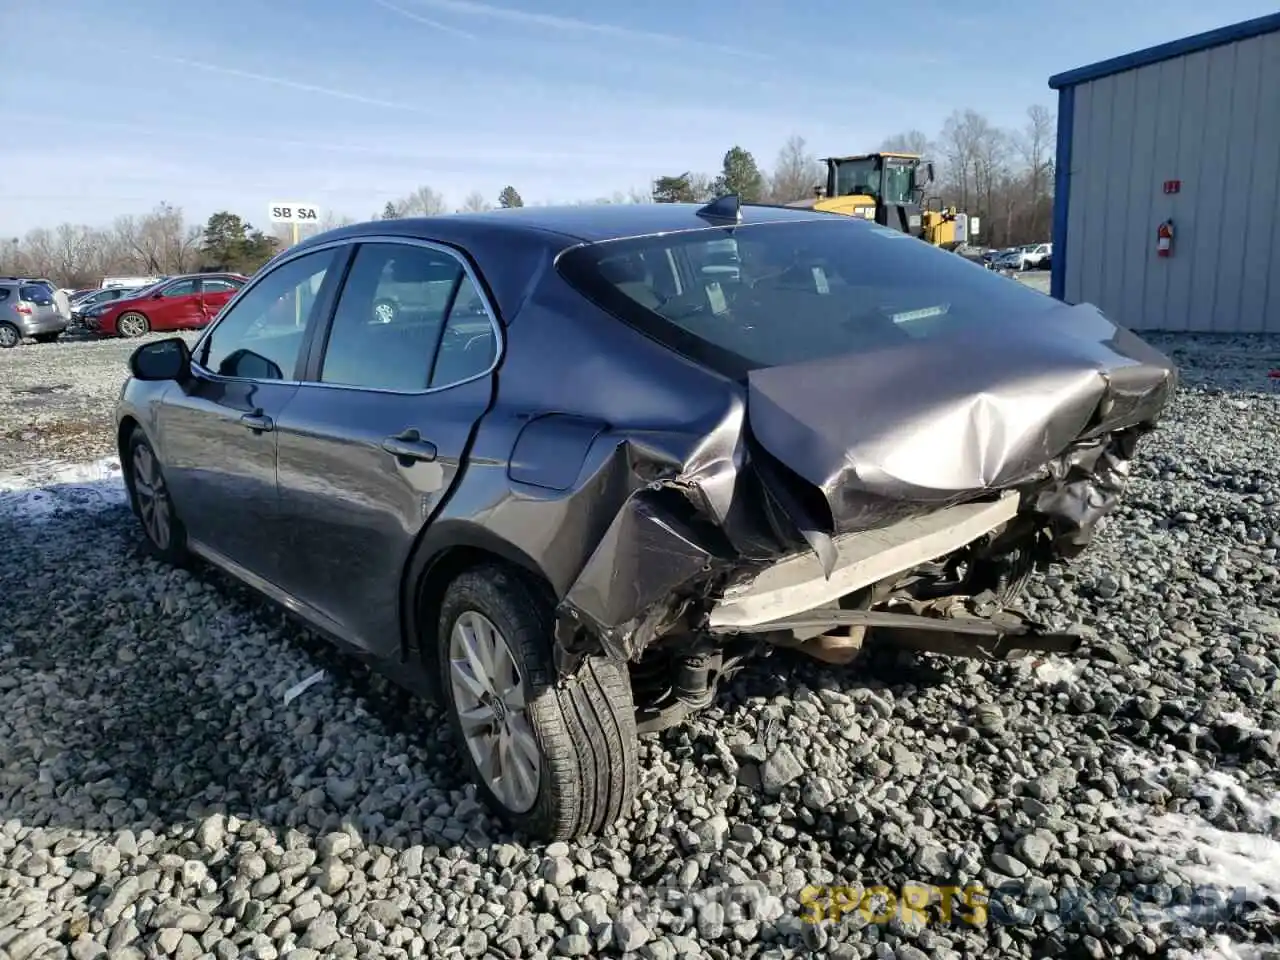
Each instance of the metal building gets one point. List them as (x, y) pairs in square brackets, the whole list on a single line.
[(1188, 134)]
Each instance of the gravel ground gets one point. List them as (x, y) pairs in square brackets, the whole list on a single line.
[(57, 399), (159, 796)]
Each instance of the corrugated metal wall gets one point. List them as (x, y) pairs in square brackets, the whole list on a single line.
[(1212, 120)]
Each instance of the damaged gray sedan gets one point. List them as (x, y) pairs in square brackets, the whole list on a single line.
[(585, 463)]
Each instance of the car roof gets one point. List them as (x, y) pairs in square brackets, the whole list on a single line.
[(192, 276), (589, 223)]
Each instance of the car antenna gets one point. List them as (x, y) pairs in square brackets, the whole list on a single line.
[(727, 208)]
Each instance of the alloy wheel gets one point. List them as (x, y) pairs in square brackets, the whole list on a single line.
[(132, 325), (489, 695), (152, 496), (8, 336)]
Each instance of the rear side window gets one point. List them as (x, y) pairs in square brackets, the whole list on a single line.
[(408, 318), (771, 294), (35, 293), (184, 288)]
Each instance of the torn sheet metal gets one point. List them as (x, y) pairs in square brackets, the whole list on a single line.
[(855, 443), (936, 421)]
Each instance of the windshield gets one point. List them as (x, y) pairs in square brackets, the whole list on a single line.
[(798, 291), (857, 178)]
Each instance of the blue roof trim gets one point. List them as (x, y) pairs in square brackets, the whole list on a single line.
[(1062, 191), (1168, 51)]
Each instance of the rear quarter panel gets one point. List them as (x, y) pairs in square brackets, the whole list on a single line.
[(608, 385)]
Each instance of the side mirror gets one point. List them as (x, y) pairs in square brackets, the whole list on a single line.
[(161, 360), (156, 296)]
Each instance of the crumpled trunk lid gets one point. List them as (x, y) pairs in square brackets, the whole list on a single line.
[(940, 420)]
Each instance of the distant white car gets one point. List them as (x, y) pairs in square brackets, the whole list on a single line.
[(1029, 257), (135, 282)]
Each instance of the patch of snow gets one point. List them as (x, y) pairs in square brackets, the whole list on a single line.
[(47, 488), (1224, 866), (1221, 947), (1238, 719), (1051, 672)]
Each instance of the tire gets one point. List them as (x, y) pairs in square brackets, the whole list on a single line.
[(47, 337), (583, 730), (10, 336), (132, 324), (167, 542)]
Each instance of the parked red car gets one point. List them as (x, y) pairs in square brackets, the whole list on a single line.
[(175, 303)]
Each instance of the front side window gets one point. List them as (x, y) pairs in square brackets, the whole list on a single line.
[(858, 178), (392, 320), (262, 335), (183, 288), (801, 291)]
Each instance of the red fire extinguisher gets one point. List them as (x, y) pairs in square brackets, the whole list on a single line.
[(1164, 238)]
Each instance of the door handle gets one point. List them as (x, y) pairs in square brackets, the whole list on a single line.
[(409, 446), (258, 422)]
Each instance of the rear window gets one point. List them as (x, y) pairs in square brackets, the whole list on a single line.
[(35, 293), (761, 295)]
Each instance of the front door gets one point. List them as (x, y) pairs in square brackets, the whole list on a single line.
[(371, 444), (218, 432)]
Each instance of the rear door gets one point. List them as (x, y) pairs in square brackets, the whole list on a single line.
[(216, 293), (373, 440), (176, 307), (217, 432)]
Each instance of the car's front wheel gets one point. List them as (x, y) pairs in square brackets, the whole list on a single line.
[(132, 324), (557, 760), (149, 496)]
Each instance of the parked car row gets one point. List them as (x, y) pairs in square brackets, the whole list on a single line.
[(1032, 256), (28, 308)]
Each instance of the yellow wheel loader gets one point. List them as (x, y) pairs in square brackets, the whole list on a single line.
[(889, 189)]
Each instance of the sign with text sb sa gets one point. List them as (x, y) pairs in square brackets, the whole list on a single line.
[(286, 212)]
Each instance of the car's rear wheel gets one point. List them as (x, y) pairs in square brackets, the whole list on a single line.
[(47, 337), (149, 495), (10, 336), (132, 324), (557, 760)]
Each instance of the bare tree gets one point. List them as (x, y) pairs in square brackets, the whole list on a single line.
[(1035, 145), (423, 202), (475, 203), (795, 173), (910, 141)]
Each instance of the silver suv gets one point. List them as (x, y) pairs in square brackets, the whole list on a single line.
[(27, 309)]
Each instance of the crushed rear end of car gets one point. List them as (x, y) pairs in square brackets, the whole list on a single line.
[(910, 486)]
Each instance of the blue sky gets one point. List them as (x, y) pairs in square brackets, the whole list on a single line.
[(350, 103)]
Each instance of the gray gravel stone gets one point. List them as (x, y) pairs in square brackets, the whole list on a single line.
[(158, 799)]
